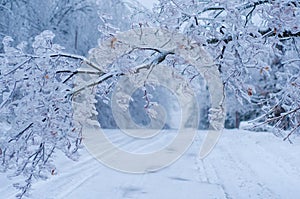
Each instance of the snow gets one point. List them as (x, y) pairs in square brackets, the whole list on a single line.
[(242, 165)]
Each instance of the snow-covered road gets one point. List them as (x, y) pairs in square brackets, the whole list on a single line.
[(242, 165)]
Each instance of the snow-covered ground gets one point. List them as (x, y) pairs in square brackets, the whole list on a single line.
[(242, 165)]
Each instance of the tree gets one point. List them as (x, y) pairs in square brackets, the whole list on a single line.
[(36, 109), (74, 22), (255, 44), (36, 84)]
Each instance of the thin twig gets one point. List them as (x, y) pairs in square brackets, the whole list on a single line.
[(19, 134), (288, 136), (278, 117), (78, 72), (87, 61), (18, 66)]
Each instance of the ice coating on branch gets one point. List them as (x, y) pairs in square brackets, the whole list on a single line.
[(163, 43), (36, 116), (43, 42)]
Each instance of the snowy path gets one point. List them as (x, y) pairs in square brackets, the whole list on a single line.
[(243, 165)]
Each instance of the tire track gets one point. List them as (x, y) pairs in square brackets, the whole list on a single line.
[(241, 171)]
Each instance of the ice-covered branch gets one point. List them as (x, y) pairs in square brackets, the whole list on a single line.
[(84, 59)]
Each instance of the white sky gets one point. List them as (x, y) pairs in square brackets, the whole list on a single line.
[(148, 3)]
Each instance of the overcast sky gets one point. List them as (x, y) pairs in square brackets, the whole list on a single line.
[(148, 3)]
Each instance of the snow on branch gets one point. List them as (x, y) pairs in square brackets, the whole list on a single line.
[(35, 110)]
